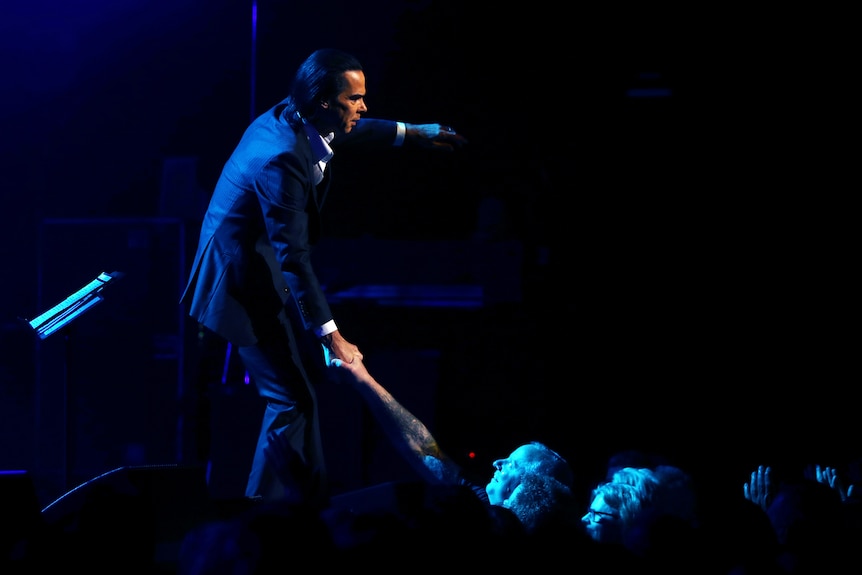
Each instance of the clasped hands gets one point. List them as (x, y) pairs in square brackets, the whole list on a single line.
[(350, 372), (336, 347)]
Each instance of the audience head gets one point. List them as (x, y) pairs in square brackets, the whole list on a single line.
[(632, 458), (613, 505), (618, 505), (676, 494), (809, 522), (643, 478), (532, 458), (535, 482), (739, 539)]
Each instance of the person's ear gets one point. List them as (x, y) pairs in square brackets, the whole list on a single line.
[(324, 104)]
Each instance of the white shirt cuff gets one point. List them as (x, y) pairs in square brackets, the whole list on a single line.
[(400, 133), (326, 328)]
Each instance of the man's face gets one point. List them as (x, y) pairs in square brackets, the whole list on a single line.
[(507, 476), (343, 111)]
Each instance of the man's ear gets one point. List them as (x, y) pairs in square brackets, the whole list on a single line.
[(324, 104)]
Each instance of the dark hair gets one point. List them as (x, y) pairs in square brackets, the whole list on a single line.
[(320, 77)]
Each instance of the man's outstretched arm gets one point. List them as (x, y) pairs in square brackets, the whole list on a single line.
[(408, 435)]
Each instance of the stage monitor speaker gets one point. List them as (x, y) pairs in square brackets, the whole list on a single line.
[(150, 508), (20, 504)]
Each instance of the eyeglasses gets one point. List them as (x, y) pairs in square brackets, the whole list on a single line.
[(599, 516)]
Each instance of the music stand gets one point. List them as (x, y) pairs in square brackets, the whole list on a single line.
[(59, 317)]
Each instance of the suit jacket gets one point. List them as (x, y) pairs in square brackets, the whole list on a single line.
[(254, 251)]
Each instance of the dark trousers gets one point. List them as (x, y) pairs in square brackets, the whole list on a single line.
[(288, 461)]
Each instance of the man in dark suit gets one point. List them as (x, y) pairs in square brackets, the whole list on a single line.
[(252, 281)]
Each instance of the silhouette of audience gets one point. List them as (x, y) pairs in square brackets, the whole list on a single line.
[(645, 518), (813, 517)]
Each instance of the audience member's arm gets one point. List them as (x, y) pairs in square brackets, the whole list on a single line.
[(409, 435)]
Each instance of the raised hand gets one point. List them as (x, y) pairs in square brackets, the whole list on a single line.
[(760, 489), (830, 477)]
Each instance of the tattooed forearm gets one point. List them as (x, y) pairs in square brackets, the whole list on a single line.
[(409, 435)]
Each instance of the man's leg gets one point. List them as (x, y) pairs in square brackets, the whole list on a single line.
[(290, 423)]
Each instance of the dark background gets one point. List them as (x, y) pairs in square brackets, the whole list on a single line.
[(656, 206)]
